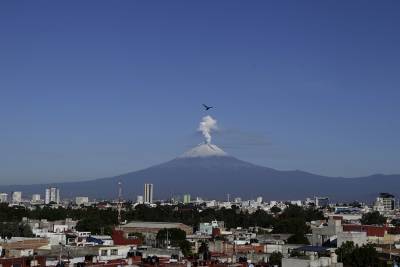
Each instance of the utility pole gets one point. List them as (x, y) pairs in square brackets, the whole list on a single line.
[(167, 239), (60, 254), (119, 203)]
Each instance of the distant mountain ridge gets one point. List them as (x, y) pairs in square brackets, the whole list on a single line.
[(216, 174)]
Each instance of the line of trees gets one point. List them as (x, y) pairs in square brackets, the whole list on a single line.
[(292, 220), (12, 229), (354, 256), (373, 218)]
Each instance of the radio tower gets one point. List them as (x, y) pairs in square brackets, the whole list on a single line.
[(119, 202)]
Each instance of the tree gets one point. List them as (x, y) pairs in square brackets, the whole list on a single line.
[(172, 235), (355, 256), (15, 229), (203, 250), (275, 259), (95, 225), (373, 218), (25, 230), (176, 237), (291, 226), (344, 252), (293, 221), (275, 209), (365, 255), (298, 238), (186, 247)]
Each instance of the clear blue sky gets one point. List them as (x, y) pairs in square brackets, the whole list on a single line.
[(92, 89)]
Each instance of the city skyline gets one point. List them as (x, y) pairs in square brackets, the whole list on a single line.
[(96, 92), (199, 133)]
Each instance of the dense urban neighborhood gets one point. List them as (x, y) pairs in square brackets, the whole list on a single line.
[(182, 231), (207, 133)]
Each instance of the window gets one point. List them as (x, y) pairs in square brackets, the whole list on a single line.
[(114, 252), (103, 252)]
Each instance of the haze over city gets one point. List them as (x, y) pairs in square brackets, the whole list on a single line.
[(94, 89), (199, 133)]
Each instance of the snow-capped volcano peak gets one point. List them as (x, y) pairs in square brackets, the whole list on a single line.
[(204, 150)]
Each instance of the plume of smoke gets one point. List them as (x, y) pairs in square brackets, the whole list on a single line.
[(207, 125)]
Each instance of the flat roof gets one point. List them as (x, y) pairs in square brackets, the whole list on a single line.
[(312, 249), (140, 224)]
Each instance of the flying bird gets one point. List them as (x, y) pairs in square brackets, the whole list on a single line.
[(207, 107)]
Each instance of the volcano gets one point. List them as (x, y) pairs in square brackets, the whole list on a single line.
[(204, 150), (209, 172)]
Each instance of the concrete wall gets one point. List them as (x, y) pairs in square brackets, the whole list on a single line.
[(321, 262), (293, 262), (359, 238)]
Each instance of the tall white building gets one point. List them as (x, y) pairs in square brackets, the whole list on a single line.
[(148, 193), (186, 199), (47, 196), (36, 198), (17, 197), (52, 195), (3, 197)]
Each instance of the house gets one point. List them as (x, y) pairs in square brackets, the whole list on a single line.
[(150, 229)]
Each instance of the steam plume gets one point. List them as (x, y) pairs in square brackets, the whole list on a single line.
[(207, 125)]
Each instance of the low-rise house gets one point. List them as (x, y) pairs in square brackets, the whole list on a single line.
[(309, 256), (23, 243), (375, 234), (324, 232), (358, 238), (106, 253), (150, 229), (206, 228), (120, 237), (23, 261)]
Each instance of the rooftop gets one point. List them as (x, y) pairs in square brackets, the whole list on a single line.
[(140, 224)]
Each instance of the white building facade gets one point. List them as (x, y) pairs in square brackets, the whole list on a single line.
[(52, 195), (17, 197), (148, 193), (3, 197)]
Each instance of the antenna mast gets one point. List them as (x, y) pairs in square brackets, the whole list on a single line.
[(119, 202)]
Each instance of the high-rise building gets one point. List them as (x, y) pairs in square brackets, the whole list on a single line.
[(385, 202), (52, 195), (58, 196), (186, 198), (321, 202), (17, 197), (47, 196), (3, 197), (35, 198), (148, 193), (259, 200)]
